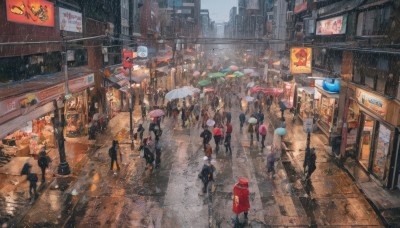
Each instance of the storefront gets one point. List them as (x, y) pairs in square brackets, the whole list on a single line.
[(288, 94), (114, 101), (76, 107), (377, 136), (305, 100), (326, 106)]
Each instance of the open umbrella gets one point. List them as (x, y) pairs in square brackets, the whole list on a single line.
[(238, 74), (179, 93), (230, 76), (226, 70), (196, 73), (204, 83), (250, 84), (210, 122), (256, 89), (249, 99), (156, 113), (234, 68), (254, 74), (280, 131), (248, 71), (252, 120), (216, 75), (206, 90)]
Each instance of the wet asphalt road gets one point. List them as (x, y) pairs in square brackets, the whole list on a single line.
[(169, 196)]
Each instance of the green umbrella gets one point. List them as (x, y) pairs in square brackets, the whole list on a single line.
[(238, 74), (204, 83), (216, 75)]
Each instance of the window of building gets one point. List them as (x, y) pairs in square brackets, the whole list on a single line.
[(374, 22)]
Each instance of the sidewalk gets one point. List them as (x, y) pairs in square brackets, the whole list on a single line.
[(386, 203)]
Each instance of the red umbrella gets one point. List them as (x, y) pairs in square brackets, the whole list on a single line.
[(272, 91), (156, 113), (256, 89)]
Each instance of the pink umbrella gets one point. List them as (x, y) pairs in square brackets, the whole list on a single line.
[(156, 113), (196, 73), (234, 68)]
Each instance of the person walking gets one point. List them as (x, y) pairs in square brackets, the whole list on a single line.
[(148, 156), (263, 130), (112, 152), (250, 130), (242, 119), (33, 179), (271, 157), (143, 109), (228, 117), (241, 203), (309, 163), (183, 116), (43, 163), (208, 151), (140, 130), (207, 173), (228, 137), (158, 156), (217, 138), (206, 135)]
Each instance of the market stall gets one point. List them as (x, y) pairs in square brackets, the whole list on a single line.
[(306, 102), (76, 115)]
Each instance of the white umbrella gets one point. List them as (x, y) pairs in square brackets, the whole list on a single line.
[(254, 74), (250, 84), (210, 122), (179, 93), (249, 99), (248, 71), (195, 90)]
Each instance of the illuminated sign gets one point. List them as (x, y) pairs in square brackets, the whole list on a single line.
[(372, 101), (300, 6), (34, 12), (332, 26), (300, 60)]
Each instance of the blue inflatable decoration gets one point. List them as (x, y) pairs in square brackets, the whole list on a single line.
[(280, 131), (331, 85)]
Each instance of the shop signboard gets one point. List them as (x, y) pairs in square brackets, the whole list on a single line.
[(34, 12), (70, 20), (78, 84), (308, 124), (300, 60), (142, 51), (332, 26), (51, 93), (372, 101), (300, 6)]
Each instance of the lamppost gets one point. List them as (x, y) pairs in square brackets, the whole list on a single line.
[(59, 120)]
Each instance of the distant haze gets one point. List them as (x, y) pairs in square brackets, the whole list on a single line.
[(219, 9)]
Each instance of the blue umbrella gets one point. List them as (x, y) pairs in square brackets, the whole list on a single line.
[(226, 70), (280, 131)]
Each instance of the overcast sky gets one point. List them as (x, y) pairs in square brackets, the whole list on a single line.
[(219, 9)]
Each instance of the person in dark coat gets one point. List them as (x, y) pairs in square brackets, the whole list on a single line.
[(309, 162), (143, 108), (207, 173), (140, 130), (113, 151), (228, 137), (158, 156), (228, 117), (148, 156), (242, 119), (43, 163), (33, 179), (206, 135)]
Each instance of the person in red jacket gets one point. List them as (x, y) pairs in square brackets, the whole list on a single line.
[(217, 137), (241, 201)]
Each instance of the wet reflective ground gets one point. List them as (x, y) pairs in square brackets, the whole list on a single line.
[(170, 196)]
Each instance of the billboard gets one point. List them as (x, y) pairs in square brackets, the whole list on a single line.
[(300, 6), (300, 60), (332, 26), (34, 12), (70, 20)]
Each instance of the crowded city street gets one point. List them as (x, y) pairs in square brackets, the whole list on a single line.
[(199, 113)]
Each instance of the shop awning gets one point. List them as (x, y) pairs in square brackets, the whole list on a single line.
[(308, 90), (338, 8), (326, 93), (370, 4), (118, 80), (21, 121)]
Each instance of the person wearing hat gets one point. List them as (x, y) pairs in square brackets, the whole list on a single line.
[(207, 173), (241, 201)]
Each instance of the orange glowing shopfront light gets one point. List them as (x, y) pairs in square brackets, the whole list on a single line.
[(34, 12)]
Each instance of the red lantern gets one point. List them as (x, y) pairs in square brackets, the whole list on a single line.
[(127, 57)]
